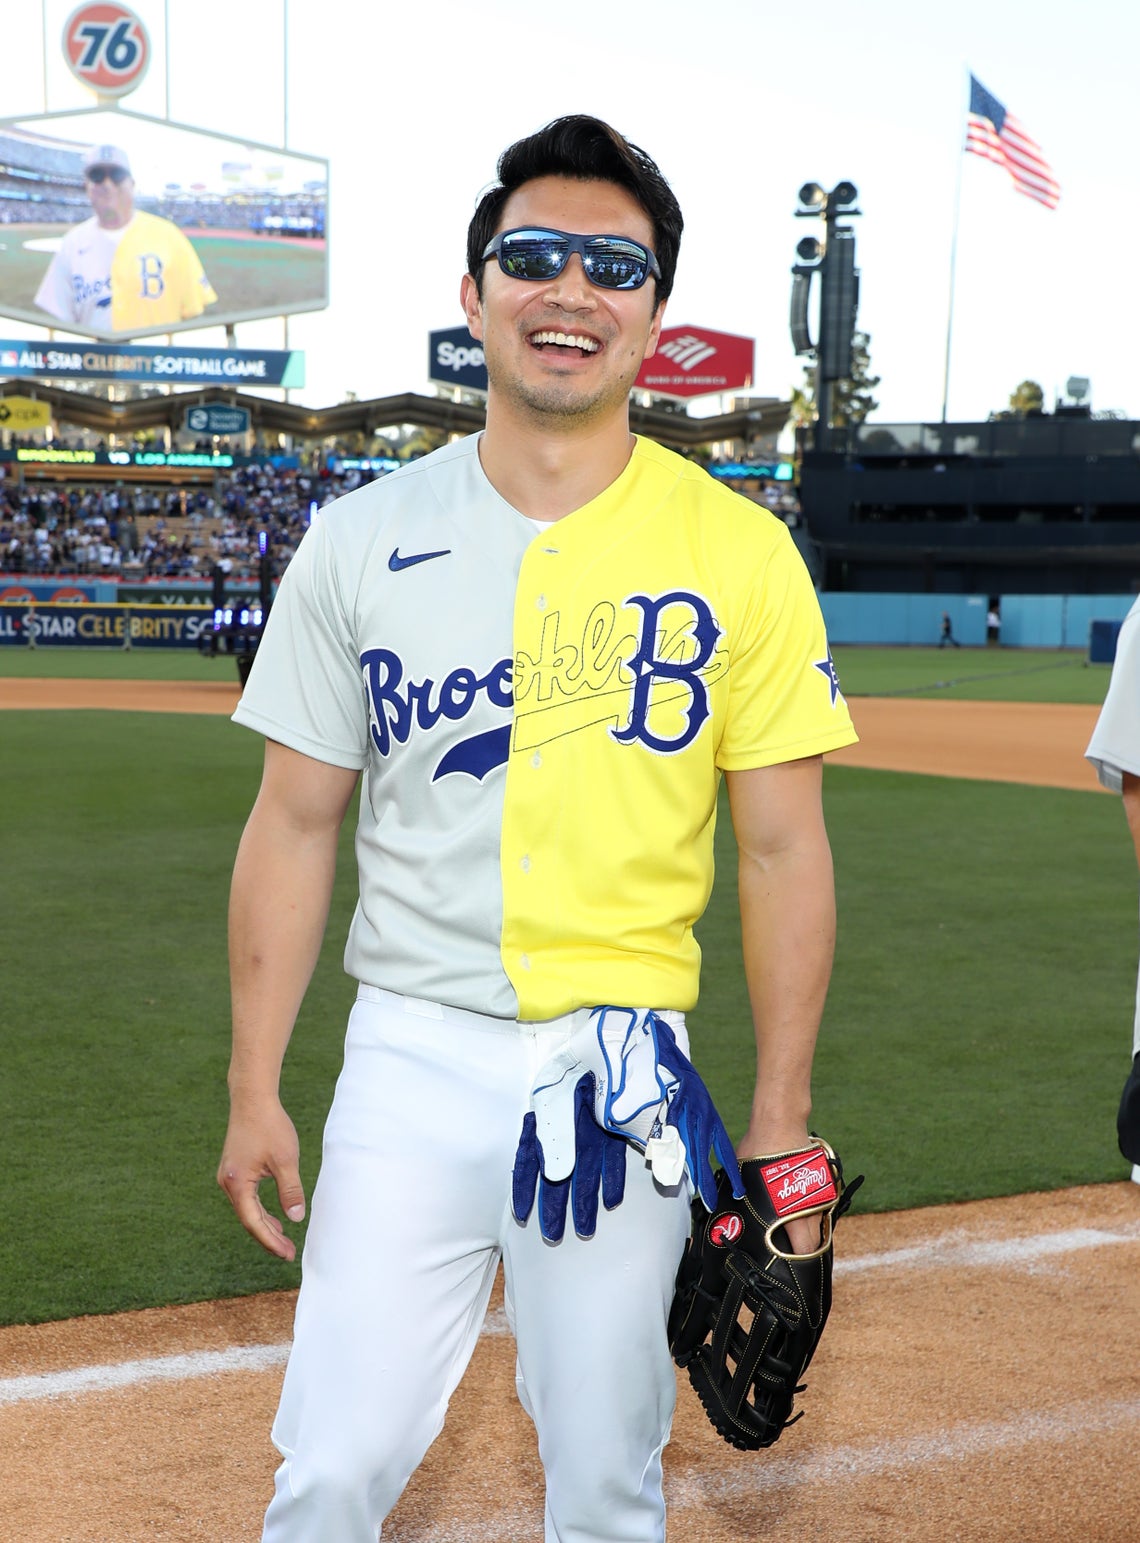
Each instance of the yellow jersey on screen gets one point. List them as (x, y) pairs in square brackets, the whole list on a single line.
[(157, 278)]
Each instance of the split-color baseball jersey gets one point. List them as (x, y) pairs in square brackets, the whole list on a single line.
[(145, 275), (542, 719)]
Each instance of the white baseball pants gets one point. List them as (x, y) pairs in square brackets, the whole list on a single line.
[(410, 1216)]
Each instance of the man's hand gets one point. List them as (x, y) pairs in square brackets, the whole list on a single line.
[(261, 1143), (771, 1135)]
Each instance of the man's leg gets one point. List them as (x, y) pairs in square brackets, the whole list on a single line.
[(399, 1261), (594, 1370)]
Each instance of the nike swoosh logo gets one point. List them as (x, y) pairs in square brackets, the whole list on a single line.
[(396, 562)]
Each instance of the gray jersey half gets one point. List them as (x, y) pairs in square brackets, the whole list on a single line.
[(388, 650)]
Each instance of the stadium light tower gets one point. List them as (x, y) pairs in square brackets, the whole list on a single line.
[(833, 259)]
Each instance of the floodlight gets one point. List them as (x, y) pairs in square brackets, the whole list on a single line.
[(812, 197), (809, 250), (844, 196)]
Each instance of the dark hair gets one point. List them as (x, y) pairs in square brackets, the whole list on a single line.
[(586, 148)]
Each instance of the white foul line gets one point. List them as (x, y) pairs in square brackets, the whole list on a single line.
[(122, 1374), (1092, 1418), (759, 1473), (954, 1251), (961, 1250)]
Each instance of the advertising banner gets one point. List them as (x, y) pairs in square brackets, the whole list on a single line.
[(125, 361), (156, 594), (119, 225), (25, 591), (104, 626), (107, 48), (216, 418), (455, 359), (20, 413), (695, 361), (775, 471), (51, 455)]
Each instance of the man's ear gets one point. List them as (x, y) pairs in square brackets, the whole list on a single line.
[(472, 307), (655, 330)]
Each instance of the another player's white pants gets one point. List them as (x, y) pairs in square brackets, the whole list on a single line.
[(410, 1215)]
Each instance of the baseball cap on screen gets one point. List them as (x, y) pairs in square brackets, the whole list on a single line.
[(107, 155)]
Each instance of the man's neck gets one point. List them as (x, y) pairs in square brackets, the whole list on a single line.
[(545, 474)]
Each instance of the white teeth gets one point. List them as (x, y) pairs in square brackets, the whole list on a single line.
[(566, 340)]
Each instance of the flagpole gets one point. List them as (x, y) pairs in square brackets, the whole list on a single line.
[(953, 265)]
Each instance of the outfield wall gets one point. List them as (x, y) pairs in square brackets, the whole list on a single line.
[(1027, 621)]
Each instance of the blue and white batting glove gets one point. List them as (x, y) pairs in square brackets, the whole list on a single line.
[(645, 1090), (599, 1168), (693, 1114)]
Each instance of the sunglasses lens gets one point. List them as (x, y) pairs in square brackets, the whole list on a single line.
[(102, 173), (533, 254), (617, 264), (611, 262)]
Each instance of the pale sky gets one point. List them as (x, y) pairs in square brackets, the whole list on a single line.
[(740, 102)]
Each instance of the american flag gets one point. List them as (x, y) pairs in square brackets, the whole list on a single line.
[(998, 136)]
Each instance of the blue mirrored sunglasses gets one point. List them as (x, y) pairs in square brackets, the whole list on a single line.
[(611, 262)]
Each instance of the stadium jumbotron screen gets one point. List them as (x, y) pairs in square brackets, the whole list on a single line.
[(116, 225)]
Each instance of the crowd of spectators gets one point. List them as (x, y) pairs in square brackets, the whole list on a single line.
[(780, 497), (153, 532), (163, 533), (42, 184)]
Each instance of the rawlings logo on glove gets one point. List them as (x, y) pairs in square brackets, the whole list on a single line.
[(748, 1314)]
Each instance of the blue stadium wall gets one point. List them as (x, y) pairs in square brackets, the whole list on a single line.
[(1027, 621)]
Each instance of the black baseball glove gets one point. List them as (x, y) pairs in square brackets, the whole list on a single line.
[(747, 1315), (1128, 1115)]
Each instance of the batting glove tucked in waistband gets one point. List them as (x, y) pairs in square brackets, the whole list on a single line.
[(626, 1067)]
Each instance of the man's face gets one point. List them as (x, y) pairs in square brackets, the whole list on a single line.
[(112, 200), (607, 332)]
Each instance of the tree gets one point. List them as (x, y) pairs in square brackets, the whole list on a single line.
[(851, 399), (1028, 398)]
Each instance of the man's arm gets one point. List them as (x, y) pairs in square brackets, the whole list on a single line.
[(279, 904), (56, 293), (1131, 792), (787, 914)]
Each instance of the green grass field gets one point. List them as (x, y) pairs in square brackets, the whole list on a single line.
[(1017, 675), (115, 664), (982, 674), (974, 1043)]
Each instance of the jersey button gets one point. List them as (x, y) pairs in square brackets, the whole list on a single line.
[(524, 960), (541, 602), (536, 759), (525, 865)]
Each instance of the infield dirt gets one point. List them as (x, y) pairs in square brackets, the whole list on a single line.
[(1037, 743)]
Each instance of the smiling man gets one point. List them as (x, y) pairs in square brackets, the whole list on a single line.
[(541, 648), (122, 271)]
